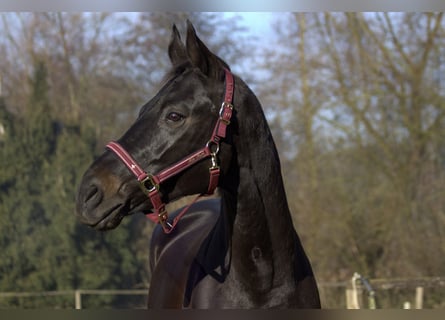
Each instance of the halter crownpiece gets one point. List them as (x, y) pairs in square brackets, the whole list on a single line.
[(150, 184)]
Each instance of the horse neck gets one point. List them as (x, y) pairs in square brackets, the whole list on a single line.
[(262, 218)]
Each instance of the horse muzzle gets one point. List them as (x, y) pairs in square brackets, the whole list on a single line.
[(98, 203)]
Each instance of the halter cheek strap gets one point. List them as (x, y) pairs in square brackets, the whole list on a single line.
[(150, 184)]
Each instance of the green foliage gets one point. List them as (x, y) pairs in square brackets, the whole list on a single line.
[(43, 246)]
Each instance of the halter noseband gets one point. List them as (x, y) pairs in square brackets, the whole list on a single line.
[(150, 184)]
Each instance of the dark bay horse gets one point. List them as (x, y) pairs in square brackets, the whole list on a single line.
[(204, 129)]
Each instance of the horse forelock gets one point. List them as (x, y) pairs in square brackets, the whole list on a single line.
[(175, 72)]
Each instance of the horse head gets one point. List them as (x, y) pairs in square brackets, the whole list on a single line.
[(179, 120)]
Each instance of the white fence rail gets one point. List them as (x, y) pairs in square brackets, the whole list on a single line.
[(356, 292), (76, 294)]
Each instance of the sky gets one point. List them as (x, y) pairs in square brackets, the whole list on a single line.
[(258, 23), (259, 26)]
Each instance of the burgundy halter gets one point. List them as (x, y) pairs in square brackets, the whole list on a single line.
[(150, 183)]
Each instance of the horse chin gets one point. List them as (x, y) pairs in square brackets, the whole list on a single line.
[(111, 219), (108, 225)]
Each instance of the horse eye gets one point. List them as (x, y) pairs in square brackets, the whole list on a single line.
[(175, 117)]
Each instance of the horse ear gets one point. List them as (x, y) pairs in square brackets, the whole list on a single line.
[(202, 57), (176, 49)]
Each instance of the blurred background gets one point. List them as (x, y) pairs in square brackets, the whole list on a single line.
[(356, 102)]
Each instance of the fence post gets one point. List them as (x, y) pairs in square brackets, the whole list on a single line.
[(419, 298), (78, 299), (353, 293), (351, 299)]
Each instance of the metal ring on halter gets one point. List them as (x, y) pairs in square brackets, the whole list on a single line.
[(210, 144)]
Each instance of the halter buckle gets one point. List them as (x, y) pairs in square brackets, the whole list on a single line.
[(148, 184), (225, 113)]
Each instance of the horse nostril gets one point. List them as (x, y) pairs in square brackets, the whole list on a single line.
[(93, 195), (92, 191)]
